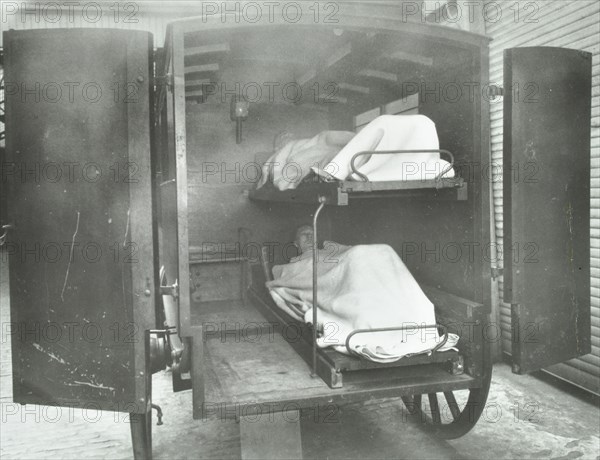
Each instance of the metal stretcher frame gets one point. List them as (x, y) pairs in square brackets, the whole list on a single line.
[(388, 152), (339, 193)]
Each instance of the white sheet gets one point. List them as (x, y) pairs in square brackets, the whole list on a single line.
[(360, 287), (287, 167), (391, 132)]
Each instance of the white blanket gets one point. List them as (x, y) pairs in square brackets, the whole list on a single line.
[(359, 287), (392, 132), (293, 162), (329, 153)]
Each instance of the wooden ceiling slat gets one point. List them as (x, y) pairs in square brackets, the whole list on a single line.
[(202, 68), (207, 49)]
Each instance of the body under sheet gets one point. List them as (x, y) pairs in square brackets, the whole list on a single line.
[(359, 287), (329, 154)]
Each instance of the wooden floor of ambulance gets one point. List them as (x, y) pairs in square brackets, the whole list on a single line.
[(525, 418)]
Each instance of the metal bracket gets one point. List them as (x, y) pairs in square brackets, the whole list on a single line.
[(497, 272), (172, 290), (159, 350), (457, 367), (494, 91), (166, 80)]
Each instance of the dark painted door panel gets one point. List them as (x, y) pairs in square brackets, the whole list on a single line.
[(81, 254), (547, 110)]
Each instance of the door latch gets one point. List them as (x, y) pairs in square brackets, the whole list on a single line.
[(172, 290)]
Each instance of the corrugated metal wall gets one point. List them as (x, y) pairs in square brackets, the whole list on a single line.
[(567, 24)]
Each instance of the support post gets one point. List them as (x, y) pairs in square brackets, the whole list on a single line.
[(140, 423), (315, 252), (141, 434)]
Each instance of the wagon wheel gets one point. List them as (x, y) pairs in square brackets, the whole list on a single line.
[(455, 413)]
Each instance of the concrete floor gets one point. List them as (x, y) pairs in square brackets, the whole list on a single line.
[(526, 417)]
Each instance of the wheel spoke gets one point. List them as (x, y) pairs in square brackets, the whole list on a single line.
[(417, 401), (452, 404), (435, 409), (409, 403)]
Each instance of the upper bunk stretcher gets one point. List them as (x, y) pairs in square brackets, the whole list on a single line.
[(392, 156), (339, 193)]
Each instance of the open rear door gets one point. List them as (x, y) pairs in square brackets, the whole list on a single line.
[(81, 246), (547, 105), (172, 196)]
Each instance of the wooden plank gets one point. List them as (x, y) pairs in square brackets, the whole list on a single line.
[(198, 371), (355, 88), (456, 307), (327, 98), (466, 319), (410, 57), (403, 105), (363, 118), (267, 376), (300, 337), (207, 49), (223, 319), (194, 93), (203, 68), (198, 82), (379, 75)]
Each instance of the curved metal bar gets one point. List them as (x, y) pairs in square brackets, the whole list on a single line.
[(6, 228), (322, 201), (403, 328), (364, 178)]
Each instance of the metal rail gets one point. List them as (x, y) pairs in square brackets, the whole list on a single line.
[(403, 328), (364, 178)]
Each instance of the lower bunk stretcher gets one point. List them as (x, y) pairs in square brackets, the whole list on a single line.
[(369, 303), (333, 367)]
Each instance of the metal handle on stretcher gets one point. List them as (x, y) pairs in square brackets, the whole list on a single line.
[(403, 328), (322, 201), (364, 178)]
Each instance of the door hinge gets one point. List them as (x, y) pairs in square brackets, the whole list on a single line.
[(494, 91), (497, 272), (166, 80)]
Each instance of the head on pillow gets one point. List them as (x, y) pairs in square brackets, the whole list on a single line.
[(304, 239)]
